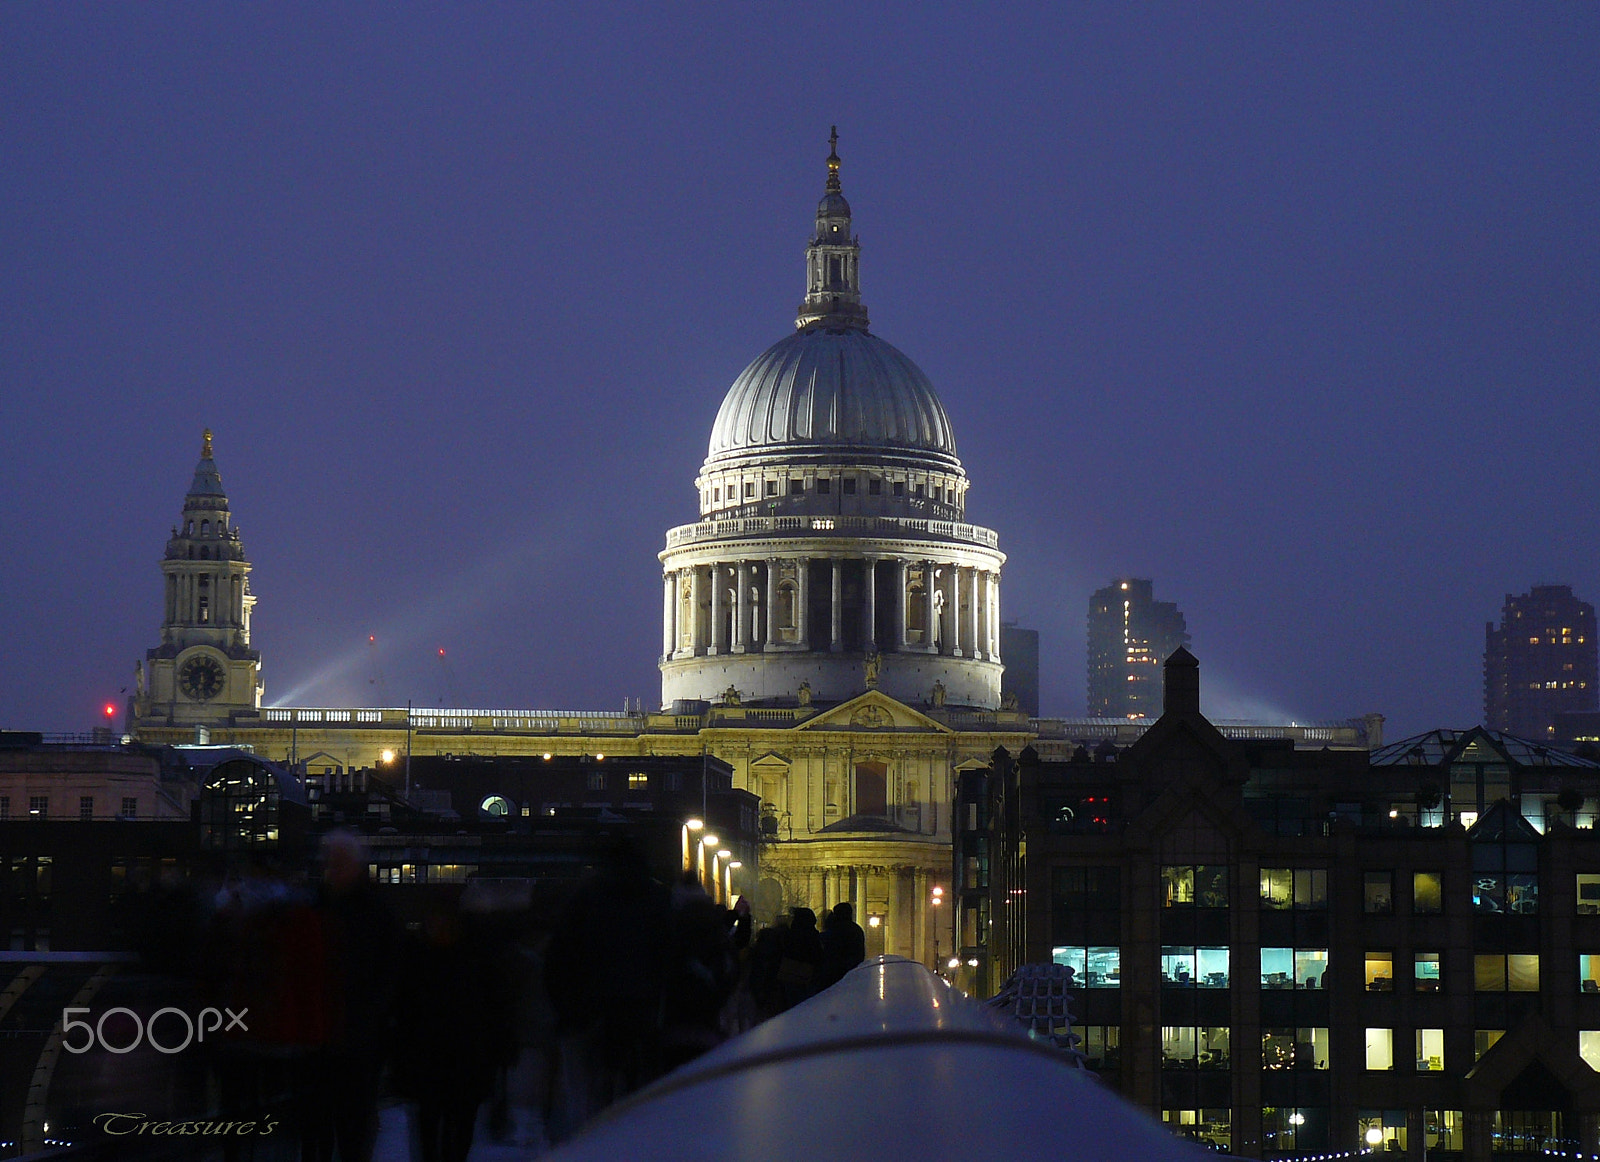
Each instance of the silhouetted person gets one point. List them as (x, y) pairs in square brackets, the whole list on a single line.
[(361, 940), (453, 1032), (766, 954), (844, 945), (701, 973), (604, 968), (802, 956)]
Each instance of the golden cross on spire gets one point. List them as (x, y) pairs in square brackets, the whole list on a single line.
[(205, 449), (833, 160)]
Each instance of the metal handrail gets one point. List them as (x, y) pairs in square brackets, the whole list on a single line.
[(891, 1062)]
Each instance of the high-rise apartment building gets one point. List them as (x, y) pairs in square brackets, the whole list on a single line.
[(1130, 635), (1540, 662), (1020, 648)]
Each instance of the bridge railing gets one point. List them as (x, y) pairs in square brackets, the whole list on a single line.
[(890, 1063)]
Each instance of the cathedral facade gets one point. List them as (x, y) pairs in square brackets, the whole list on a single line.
[(830, 628)]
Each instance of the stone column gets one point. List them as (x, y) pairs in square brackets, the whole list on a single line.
[(931, 610), (921, 948), (955, 611), (715, 644), (669, 623), (979, 648), (836, 640), (741, 608), (772, 604), (694, 611), (836, 886), (802, 597), (814, 889), (895, 940), (901, 606), (994, 615), (869, 616)]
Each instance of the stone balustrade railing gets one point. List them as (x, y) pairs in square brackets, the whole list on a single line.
[(882, 526)]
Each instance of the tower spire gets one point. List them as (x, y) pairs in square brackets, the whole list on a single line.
[(833, 279)]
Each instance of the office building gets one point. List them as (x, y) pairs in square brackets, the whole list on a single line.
[(1540, 662), (1287, 952), (1130, 635)]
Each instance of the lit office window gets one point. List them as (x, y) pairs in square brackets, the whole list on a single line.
[(1427, 892), (1517, 973), (1589, 1047), (1588, 894), (1380, 972), (1302, 889), (1425, 973), (1430, 1050), (1380, 1048), (1292, 1048)]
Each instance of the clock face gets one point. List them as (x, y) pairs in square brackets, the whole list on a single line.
[(200, 679)]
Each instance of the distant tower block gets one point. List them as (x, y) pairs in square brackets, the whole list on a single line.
[(1540, 662), (1131, 635), (832, 546), (1020, 648), (204, 671)]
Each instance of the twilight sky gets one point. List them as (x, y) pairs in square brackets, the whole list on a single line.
[(1295, 309)]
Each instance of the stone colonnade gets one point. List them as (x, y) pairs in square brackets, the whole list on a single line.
[(205, 598), (898, 896), (766, 605)]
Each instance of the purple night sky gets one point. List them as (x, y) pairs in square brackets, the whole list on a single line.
[(1293, 309)]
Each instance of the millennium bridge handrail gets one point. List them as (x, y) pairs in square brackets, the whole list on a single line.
[(890, 1063)]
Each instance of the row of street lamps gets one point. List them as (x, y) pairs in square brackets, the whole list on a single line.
[(719, 881)]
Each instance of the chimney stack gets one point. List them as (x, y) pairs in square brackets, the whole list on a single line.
[(1181, 686)]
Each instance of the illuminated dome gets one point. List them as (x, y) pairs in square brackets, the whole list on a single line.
[(822, 390), (832, 554)]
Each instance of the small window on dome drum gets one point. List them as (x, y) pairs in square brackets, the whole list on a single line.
[(874, 487), (749, 488), (772, 488), (899, 487), (716, 495), (796, 486), (849, 485), (824, 485), (916, 490)]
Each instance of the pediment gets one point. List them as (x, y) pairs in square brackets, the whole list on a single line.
[(1532, 1057), (874, 711), (770, 759)]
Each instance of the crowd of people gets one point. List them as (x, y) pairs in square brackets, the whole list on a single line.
[(624, 980), (644, 977)]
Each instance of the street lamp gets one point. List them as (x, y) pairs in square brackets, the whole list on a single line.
[(1374, 1135), (936, 899)]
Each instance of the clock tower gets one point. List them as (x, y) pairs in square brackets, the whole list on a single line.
[(204, 670)]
